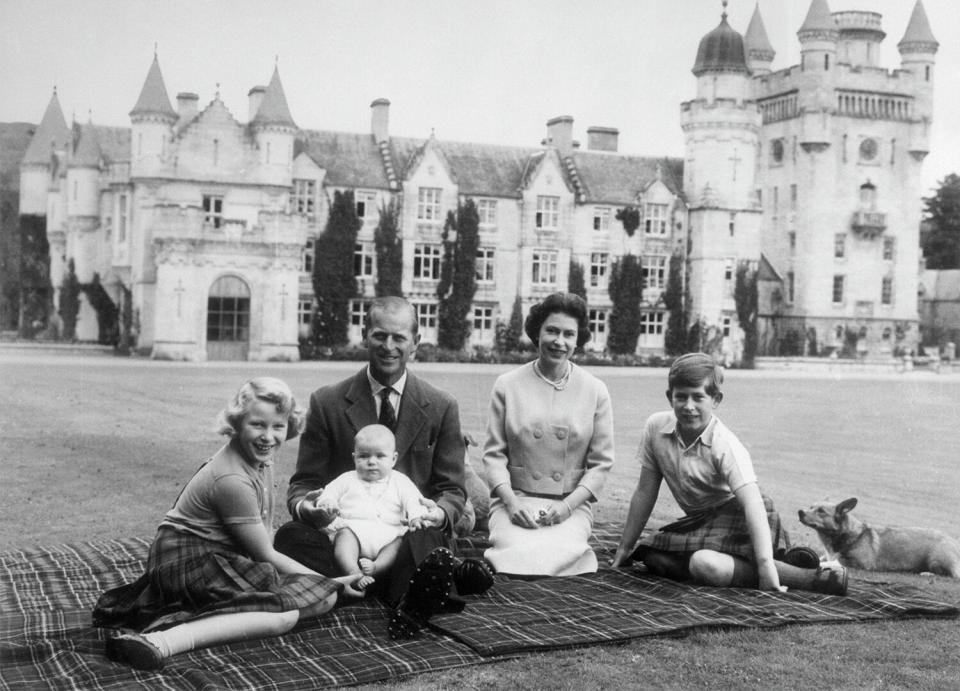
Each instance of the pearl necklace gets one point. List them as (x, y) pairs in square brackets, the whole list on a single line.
[(561, 383)]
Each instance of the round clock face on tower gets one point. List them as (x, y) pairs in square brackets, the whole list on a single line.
[(776, 150), (868, 149)]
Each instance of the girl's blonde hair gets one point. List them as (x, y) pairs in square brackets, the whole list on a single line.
[(269, 390)]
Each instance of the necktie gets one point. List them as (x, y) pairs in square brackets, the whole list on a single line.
[(388, 417)]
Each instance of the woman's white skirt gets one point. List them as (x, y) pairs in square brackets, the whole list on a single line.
[(555, 550)]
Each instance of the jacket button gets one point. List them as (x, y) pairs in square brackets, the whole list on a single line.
[(537, 433), (557, 477), (537, 475), (561, 434)]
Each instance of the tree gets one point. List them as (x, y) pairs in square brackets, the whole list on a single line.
[(389, 248), (334, 278), (625, 287), (510, 333), (675, 339), (575, 281), (629, 216), (458, 275), (941, 244), (746, 298), (108, 326), (70, 302), (35, 287)]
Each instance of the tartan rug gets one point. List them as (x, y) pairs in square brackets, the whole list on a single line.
[(47, 593)]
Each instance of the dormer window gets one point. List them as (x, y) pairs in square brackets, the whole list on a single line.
[(548, 213)]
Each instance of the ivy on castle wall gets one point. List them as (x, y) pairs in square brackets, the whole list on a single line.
[(108, 324), (458, 276), (629, 216), (675, 338), (746, 298), (576, 283), (334, 279), (389, 249)]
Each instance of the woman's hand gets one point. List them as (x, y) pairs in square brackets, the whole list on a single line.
[(557, 512), (520, 516)]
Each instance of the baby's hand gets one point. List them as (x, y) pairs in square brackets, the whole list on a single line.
[(327, 510)]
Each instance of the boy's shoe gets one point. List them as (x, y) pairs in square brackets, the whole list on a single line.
[(134, 650), (426, 595), (801, 557), (472, 576), (830, 581)]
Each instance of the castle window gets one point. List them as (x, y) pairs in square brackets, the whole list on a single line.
[(597, 320), (776, 151), (358, 312), (655, 219), (307, 256), (888, 247), (216, 152), (868, 149), (826, 62), (428, 203), (304, 312), (793, 197), (364, 256), (601, 218), (653, 271), (926, 73), (791, 286), (544, 267), (366, 203), (651, 323), (837, 289), (122, 218), (599, 265), (426, 314), (483, 323), (484, 265), (304, 198), (732, 224), (839, 245), (792, 240), (725, 323), (487, 211), (886, 291), (212, 210), (728, 274), (548, 213), (426, 261)]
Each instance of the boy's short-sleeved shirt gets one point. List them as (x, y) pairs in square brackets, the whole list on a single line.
[(702, 475)]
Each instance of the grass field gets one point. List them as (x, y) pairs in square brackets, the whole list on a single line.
[(98, 447)]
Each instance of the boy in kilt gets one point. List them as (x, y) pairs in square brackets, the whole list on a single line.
[(730, 532)]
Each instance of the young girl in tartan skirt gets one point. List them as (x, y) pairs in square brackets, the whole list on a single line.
[(730, 532), (212, 575)]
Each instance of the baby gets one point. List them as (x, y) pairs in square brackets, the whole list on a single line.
[(367, 510)]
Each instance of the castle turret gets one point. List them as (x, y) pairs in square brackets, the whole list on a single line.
[(83, 201), (918, 50), (756, 44), (50, 139), (274, 130), (152, 120), (818, 39)]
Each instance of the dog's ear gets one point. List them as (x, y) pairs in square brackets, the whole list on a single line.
[(846, 505)]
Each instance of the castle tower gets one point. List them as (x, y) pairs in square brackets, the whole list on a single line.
[(152, 120), (50, 139), (83, 202), (918, 49), (756, 44), (274, 130), (721, 128)]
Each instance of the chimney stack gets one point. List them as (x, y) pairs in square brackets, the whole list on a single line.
[(186, 105), (380, 120), (255, 98), (602, 138), (560, 133)]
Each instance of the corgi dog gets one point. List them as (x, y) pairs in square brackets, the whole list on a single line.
[(858, 545)]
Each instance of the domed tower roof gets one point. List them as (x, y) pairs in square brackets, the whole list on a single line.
[(721, 50)]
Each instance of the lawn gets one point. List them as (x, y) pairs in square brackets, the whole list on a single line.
[(98, 447)]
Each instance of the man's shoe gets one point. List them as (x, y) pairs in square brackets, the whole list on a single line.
[(830, 581), (472, 576), (426, 595)]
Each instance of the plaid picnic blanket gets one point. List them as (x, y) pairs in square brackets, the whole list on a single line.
[(47, 593)]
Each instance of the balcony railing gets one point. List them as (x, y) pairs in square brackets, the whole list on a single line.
[(869, 223)]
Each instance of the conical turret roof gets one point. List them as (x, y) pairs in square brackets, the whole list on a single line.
[(52, 134), (273, 109), (721, 51), (88, 153), (918, 30), (818, 18), (153, 97), (755, 41)]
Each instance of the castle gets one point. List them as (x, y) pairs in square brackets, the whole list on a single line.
[(203, 226)]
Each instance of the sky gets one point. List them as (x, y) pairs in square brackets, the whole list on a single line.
[(488, 71)]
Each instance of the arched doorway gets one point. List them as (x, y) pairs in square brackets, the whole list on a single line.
[(228, 319)]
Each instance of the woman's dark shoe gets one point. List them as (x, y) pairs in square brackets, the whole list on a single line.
[(426, 595), (472, 576), (134, 650), (830, 581), (801, 557)]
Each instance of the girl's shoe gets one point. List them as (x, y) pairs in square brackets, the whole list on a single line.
[(134, 650)]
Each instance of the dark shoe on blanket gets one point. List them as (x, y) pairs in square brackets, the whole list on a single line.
[(134, 650), (830, 581), (472, 576), (801, 557), (426, 595)]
